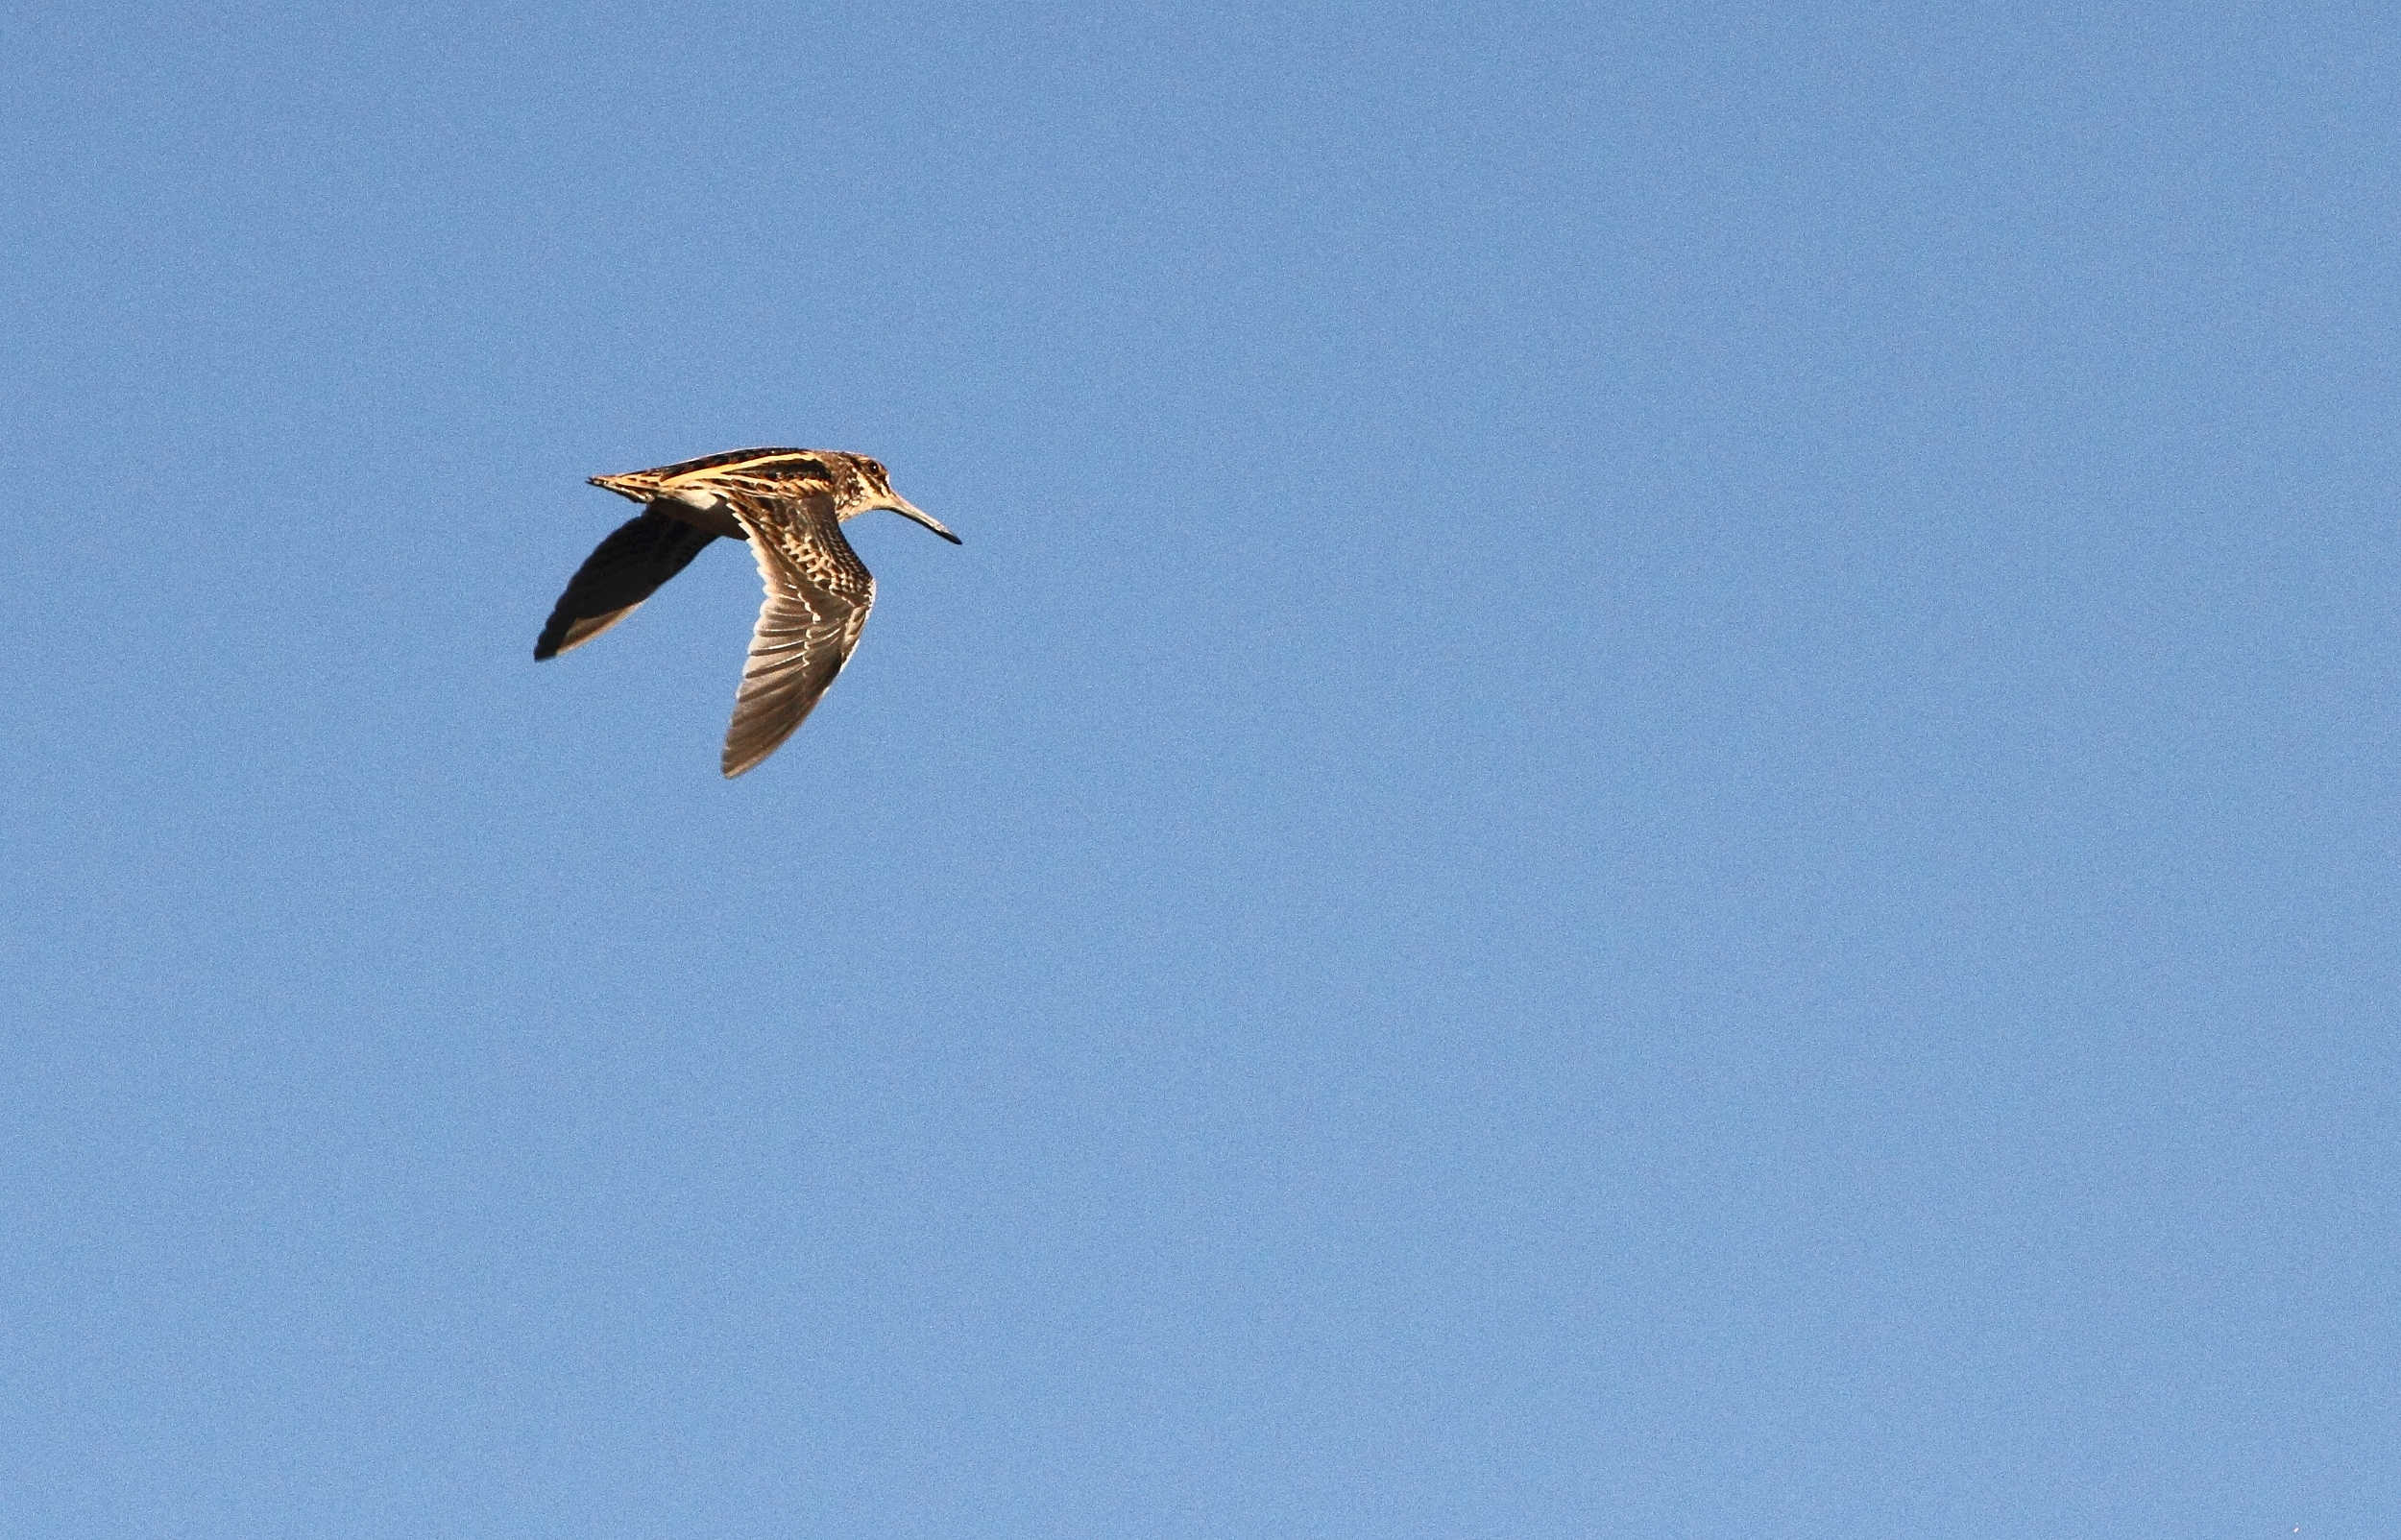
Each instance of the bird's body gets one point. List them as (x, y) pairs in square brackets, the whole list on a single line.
[(789, 504)]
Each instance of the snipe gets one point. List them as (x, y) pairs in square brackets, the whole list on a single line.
[(790, 505)]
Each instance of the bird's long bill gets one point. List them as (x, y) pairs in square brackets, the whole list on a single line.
[(909, 510)]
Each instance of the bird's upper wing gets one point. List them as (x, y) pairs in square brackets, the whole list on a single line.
[(623, 571), (818, 597)]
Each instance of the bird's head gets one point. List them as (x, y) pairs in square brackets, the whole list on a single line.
[(863, 485)]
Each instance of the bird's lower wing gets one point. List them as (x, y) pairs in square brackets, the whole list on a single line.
[(625, 570), (818, 593)]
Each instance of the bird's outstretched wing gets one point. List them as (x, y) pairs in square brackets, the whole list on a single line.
[(623, 571), (818, 592)]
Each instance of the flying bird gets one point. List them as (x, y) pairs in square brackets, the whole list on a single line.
[(790, 505)]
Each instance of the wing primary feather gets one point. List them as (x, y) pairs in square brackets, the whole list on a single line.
[(622, 571), (818, 593)]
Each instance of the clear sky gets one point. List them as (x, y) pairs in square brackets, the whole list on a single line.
[(1657, 797)]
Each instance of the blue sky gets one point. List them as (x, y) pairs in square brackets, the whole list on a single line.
[(1657, 798)]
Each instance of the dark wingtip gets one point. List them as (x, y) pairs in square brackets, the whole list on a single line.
[(948, 536)]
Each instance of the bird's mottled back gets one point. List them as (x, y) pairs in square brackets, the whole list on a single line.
[(856, 481)]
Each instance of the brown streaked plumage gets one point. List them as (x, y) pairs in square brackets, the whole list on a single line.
[(790, 505)]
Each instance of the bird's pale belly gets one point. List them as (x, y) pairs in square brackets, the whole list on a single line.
[(710, 515)]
